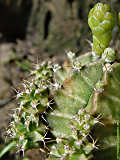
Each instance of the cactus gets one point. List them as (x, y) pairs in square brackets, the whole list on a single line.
[(59, 109), (101, 20)]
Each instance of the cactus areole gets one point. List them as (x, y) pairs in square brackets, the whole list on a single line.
[(61, 105)]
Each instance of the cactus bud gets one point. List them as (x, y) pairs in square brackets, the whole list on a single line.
[(101, 20)]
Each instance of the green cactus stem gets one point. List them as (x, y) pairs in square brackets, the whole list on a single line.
[(60, 108), (101, 20), (43, 108), (67, 108), (26, 129)]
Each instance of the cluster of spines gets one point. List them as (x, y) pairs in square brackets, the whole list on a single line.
[(77, 145), (27, 129)]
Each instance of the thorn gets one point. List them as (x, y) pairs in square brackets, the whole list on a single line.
[(89, 42), (6, 138), (98, 118), (94, 142), (15, 90), (51, 141), (42, 150), (43, 118), (50, 103)]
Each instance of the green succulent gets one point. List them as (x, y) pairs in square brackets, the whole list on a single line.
[(101, 20), (60, 107)]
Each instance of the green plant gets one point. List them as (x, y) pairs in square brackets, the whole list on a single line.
[(101, 20), (60, 107)]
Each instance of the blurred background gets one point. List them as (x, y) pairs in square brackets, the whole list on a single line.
[(32, 31)]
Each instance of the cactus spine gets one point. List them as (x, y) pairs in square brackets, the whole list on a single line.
[(61, 105)]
